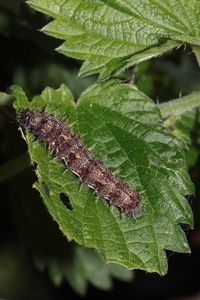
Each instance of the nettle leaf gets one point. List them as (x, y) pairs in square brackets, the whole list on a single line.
[(110, 35), (181, 116), (122, 127)]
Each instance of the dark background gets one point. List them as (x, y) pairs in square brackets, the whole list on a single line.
[(28, 58)]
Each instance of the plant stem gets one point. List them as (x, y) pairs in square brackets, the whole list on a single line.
[(180, 106)]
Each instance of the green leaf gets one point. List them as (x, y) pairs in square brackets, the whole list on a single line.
[(80, 267), (5, 99), (196, 50), (110, 35), (120, 272), (182, 116), (185, 127), (50, 250), (123, 126)]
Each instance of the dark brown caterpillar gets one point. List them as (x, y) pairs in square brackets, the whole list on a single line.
[(68, 147)]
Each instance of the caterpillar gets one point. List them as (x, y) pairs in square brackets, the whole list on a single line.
[(67, 146)]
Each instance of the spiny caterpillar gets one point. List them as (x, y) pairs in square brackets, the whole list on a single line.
[(67, 146)]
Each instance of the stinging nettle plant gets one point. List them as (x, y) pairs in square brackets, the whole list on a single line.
[(124, 128)]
